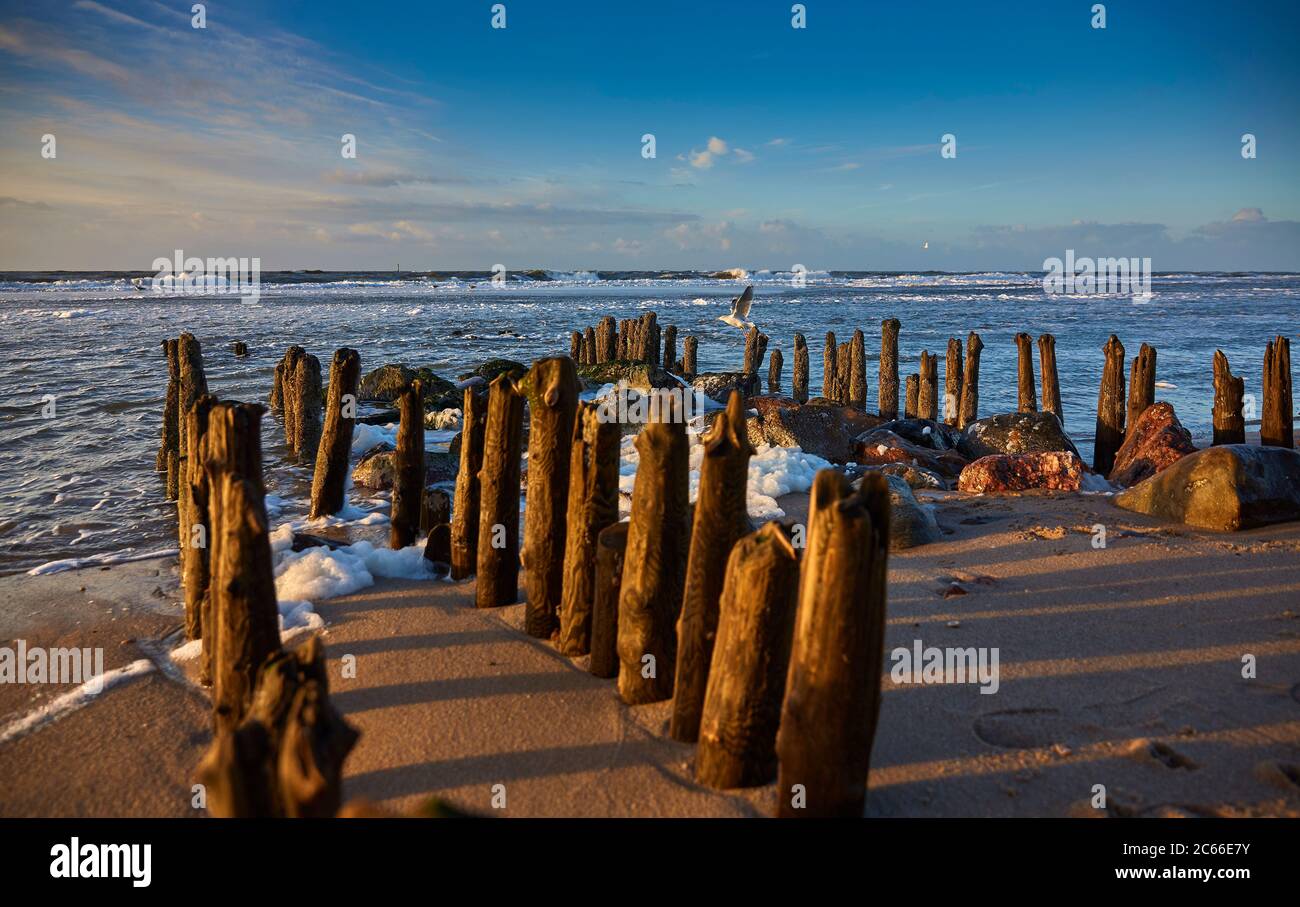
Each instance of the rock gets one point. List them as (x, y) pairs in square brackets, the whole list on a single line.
[(910, 523), (387, 381), (826, 430), (914, 476), (377, 466), (638, 375), (1155, 443), (1226, 488), (489, 370), (1056, 470), (881, 446), (719, 385), (304, 540), (239, 348), (925, 433), (382, 417), (436, 508), (728, 274), (443, 419), (1014, 433)]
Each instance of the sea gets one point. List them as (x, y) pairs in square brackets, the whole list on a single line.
[(83, 377)]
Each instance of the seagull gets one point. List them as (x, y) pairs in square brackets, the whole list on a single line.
[(740, 310)]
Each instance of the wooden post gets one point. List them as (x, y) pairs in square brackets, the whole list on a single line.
[(742, 706), (830, 359), (858, 371), (912, 396), (1277, 418), (306, 392), (654, 340), (498, 480), (1110, 408), (690, 364), (1028, 394), (843, 371), (832, 696), (328, 482), (1229, 422), (434, 511), (670, 348), (654, 568), (889, 368), (408, 479), (169, 442), (587, 349), (952, 378), (193, 384), (551, 388), (610, 547), (465, 513), (927, 407), (195, 522), (776, 362), (721, 519), (800, 380), (606, 340), (969, 406), (1051, 387), (1141, 386), (753, 359), (593, 506), (575, 346), (244, 618), (282, 397), (625, 339)]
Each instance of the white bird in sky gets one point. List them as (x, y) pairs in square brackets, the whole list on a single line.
[(740, 310)]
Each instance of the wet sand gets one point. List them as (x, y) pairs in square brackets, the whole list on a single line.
[(1119, 666)]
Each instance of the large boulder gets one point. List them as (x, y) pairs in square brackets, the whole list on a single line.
[(489, 370), (719, 385), (1055, 470), (825, 430), (925, 433), (914, 476), (1014, 433), (387, 381), (378, 466), (638, 375), (1156, 442), (1230, 487), (881, 446)]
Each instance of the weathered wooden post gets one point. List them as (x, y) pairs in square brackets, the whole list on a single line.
[(800, 379), (1229, 422), (927, 407), (465, 513), (1141, 386), (241, 607), (911, 396), (654, 342), (408, 463), (1051, 387), (621, 343), (742, 705), (952, 378), (721, 519), (1110, 408), (282, 396), (329, 481), (858, 371), (575, 345), (830, 358), (654, 567), (593, 506), (169, 445), (690, 363), (307, 407), (1277, 425), (587, 350), (192, 385), (843, 371), (610, 547), (670, 348), (195, 521), (775, 363), (832, 696), (969, 406), (1027, 393), (498, 480), (888, 395), (551, 388), (606, 339), (753, 358)]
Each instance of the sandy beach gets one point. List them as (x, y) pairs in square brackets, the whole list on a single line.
[(1119, 666)]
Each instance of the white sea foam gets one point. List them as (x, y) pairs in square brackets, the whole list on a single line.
[(126, 556)]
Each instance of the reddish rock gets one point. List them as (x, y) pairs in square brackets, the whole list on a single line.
[(881, 446), (822, 429), (1156, 442), (1057, 470)]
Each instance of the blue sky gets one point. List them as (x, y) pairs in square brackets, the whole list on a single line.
[(775, 145)]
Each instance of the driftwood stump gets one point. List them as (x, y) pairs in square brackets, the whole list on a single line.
[(551, 389), (329, 481), (952, 378), (1229, 421), (1051, 386), (610, 547), (1277, 419), (888, 395), (742, 705), (721, 519), (1141, 386), (408, 461), (498, 481), (465, 513), (832, 697), (654, 567), (927, 405), (969, 407), (799, 382), (1027, 394), (1110, 408)]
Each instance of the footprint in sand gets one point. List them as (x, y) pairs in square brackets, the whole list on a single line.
[(1144, 750)]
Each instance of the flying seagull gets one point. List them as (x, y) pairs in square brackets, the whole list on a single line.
[(740, 310)]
